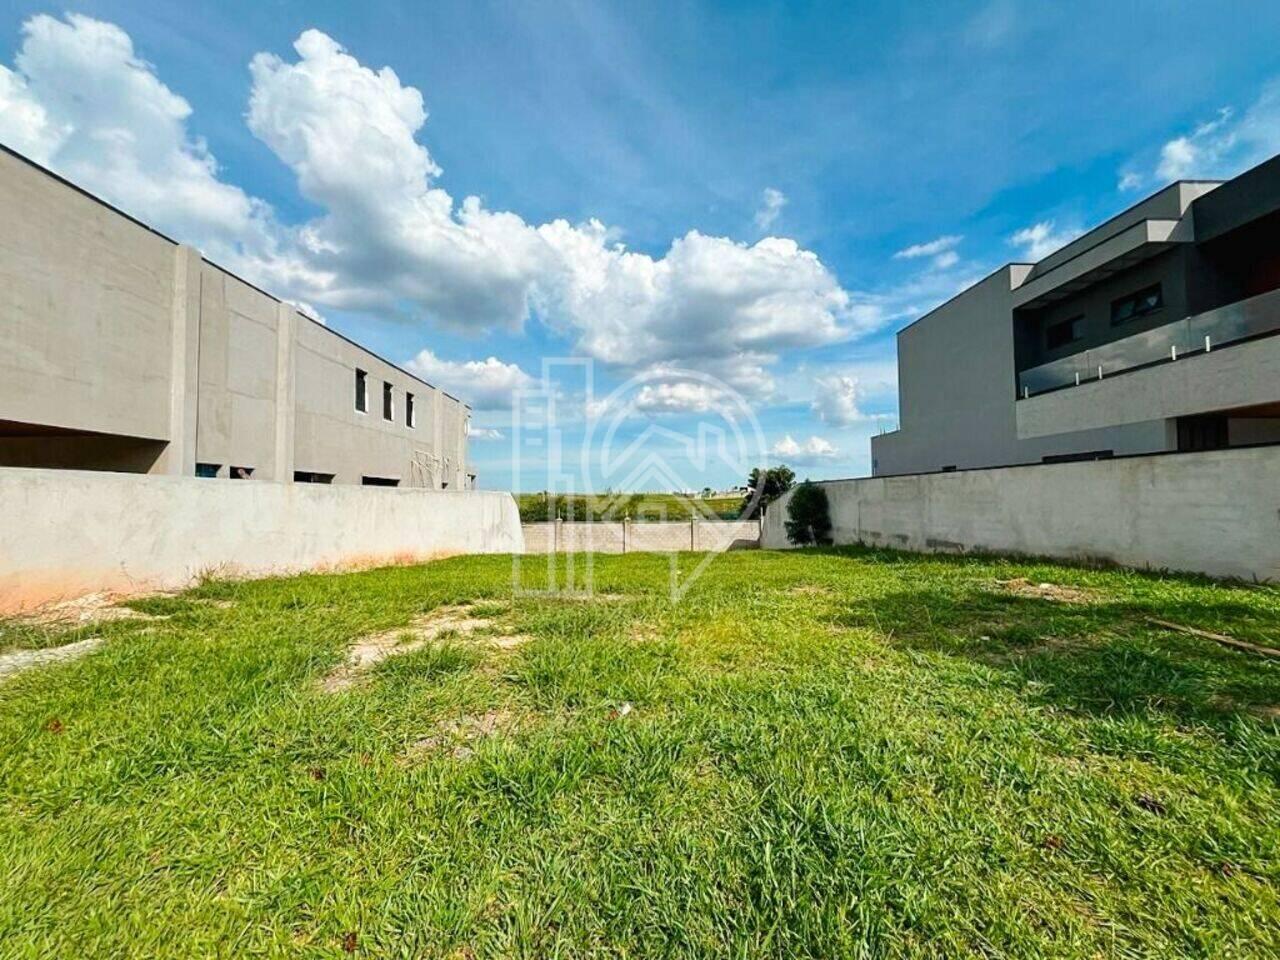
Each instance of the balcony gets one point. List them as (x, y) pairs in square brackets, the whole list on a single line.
[(1235, 323)]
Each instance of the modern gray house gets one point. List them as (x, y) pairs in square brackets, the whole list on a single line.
[(123, 350), (1154, 332)]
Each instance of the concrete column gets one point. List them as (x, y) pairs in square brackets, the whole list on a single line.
[(286, 391), (558, 538), (626, 533), (438, 400), (179, 457), (693, 533)]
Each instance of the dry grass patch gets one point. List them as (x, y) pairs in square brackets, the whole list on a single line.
[(457, 620), (91, 608), (1022, 587), (457, 737), (809, 590), (367, 652), (20, 660)]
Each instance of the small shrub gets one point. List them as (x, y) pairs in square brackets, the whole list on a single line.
[(810, 515)]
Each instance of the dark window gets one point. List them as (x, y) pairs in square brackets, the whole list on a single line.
[(1063, 332), (388, 403), (308, 476), (1202, 433), (362, 391), (241, 473), (949, 468), (207, 470), (380, 481), (1137, 305), (410, 414), (1078, 457)]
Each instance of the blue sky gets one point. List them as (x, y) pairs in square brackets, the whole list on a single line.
[(792, 183)]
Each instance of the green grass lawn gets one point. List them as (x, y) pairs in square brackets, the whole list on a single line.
[(535, 507), (820, 754)]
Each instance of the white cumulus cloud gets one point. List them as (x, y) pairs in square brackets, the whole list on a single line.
[(813, 450), (486, 433), (835, 400), (392, 237), (486, 384)]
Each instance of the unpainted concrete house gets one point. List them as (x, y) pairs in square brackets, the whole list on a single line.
[(1154, 332), (122, 350)]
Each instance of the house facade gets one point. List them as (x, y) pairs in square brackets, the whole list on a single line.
[(123, 350), (1154, 332)]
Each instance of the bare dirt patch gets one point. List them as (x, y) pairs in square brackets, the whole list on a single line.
[(12, 663), (1022, 587), (457, 737), (509, 641), (90, 608), (368, 652)]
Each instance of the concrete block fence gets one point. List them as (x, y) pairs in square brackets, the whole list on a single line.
[(626, 536), (64, 533), (1216, 512)]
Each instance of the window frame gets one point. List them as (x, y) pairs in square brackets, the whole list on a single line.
[(410, 411), (1135, 302), (1075, 326), (388, 401), (362, 391)]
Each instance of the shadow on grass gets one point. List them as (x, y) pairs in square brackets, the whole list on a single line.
[(1096, 658)]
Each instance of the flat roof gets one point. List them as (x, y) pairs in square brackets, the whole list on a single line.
[(266, 293)]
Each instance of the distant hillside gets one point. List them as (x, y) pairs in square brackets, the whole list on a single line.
[(638, 506)]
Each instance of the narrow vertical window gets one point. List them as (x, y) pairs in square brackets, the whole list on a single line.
[(362, 391), (388, 403), (410, 414)]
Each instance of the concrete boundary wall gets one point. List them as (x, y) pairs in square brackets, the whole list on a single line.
[(625, 536), (64, 533), (1216, 512)]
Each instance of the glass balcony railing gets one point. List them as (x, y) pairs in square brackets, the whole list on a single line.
[(1205, 331)]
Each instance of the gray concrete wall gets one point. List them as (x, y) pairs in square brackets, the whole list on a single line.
[(65, 533), (627, 537), (86, 300), (331, 436), (956, 389), (237, 363), (1216, 512), (1239, 375), (109, 328)]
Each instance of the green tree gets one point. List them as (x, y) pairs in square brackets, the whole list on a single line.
[(809, 515), (765, 486)]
